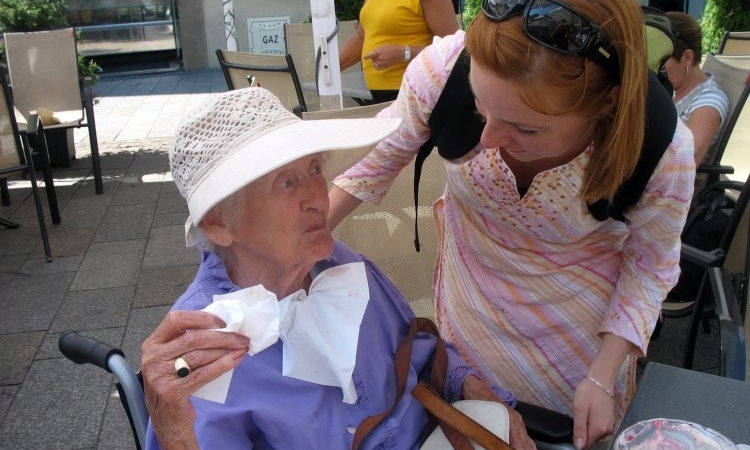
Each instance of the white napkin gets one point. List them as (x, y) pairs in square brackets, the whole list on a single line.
[(319, 331)]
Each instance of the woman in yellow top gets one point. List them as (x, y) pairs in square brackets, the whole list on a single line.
[(389, 34)]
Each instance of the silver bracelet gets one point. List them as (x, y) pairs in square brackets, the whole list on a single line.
[(604, 388)]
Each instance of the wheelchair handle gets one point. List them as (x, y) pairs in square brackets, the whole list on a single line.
[(86, 350)]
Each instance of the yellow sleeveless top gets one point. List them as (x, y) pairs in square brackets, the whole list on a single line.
[(396, 22)]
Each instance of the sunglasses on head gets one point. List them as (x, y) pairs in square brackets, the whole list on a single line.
[(558, 27)]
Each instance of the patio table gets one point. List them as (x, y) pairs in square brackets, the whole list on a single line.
[(720, 403)]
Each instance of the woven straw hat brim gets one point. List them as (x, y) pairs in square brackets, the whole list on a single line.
[(346, 141)]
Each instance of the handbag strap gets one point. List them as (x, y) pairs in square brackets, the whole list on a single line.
[(457, 426), (403, 358), (460, 423)]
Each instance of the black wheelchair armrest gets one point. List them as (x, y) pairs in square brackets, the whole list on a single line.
[(715, 169), (702, 258), (544, 424)]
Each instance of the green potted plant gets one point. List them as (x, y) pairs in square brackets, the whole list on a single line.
[(38, 15), (720, 16), (32, 15)]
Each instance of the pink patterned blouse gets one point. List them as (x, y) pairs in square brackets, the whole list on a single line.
[(525, 286)]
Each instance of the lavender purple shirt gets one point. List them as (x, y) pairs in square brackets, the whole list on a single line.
[(266, 410)]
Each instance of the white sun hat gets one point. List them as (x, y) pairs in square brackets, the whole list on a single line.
[(237, 137)]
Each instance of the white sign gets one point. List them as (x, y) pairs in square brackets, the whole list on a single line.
[(266, 35)]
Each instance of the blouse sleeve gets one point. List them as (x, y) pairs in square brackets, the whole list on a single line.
[(651, 253), (370, 179)]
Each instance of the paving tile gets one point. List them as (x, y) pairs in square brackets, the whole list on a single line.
[(17, 351), (168, 185), (116, 432), (164, 220), (59, 406), (67, 176), (11, 263), (125, 222), (94, 308), (166, 248), (171, 202), (34, 266), (87, 187), (66, 242), (86, 211), (30, 302), (27, 208), (159, 166), (163, 286), (110, 264), (119, 160), (133, 189), (7, 393), (21, 240)]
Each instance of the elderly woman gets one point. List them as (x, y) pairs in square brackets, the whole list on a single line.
[(255, 180)]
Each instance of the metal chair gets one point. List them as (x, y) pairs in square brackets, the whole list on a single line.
[(730, 255), (735, 43), (733, 327), (273, 72), (729, 200), (16, 157), (733, 75), (43, 68)]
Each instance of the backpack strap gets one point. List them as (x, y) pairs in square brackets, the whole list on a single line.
[(455, 125), (661, 121)]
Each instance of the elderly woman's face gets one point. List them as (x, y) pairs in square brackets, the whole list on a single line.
[(284, 219)]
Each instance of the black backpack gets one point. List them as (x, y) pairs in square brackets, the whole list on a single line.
[(455, 129), (706, 222)]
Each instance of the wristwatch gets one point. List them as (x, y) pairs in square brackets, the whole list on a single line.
[(407, 53)]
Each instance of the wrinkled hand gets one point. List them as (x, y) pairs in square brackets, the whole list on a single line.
[(209, 353), (475, 389), (386, 56), (593, 414)]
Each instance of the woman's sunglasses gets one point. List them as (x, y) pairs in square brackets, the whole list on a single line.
[(558, 27)]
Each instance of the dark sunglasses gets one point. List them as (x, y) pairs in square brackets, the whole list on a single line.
[(558, 27)]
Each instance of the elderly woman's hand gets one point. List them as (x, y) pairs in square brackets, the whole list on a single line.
[(476, 389), (208, 353)]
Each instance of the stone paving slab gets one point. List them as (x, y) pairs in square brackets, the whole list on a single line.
[(30, 302), (59, 406), (110, 264)]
